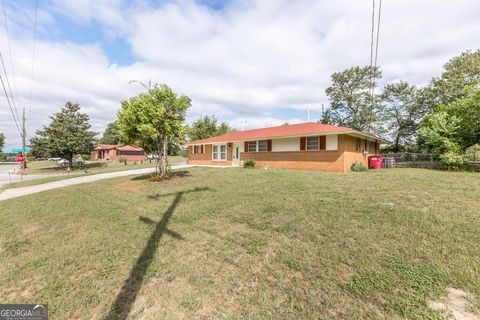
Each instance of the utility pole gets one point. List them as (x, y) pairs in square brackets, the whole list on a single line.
[(24, 130)]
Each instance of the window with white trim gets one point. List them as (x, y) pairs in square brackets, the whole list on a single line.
[(252, 146), (219, 152), (223, 152), (313, 143), (262, 146), (198, 149)]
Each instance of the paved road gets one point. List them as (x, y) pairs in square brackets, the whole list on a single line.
[(5, 178), (18, 192)]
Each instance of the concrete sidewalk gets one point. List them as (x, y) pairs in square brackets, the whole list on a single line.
[(18, 192)]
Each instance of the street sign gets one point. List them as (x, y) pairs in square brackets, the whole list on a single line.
[(20, 158), (20, 150)]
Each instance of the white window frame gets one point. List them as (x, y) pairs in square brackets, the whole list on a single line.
[(248, 146), (223, 152), (318, 143), (266, 146), (219, 152)]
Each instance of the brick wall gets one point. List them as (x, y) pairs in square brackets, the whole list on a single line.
[(205, 158), (339, 160)]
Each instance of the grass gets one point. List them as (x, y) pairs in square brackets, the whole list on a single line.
[(50, 167), (56, 173), (242, 244)]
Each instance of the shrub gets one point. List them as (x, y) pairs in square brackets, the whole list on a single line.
[(30, 158), (249, 164), (86, 156), (453, 161), (473, 152), (358, 167)]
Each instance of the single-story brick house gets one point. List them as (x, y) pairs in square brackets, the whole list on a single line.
[(117, 152), (310, 146)]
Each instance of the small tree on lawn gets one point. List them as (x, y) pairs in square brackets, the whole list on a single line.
[(152, 120), (67, 135), (2, 141)]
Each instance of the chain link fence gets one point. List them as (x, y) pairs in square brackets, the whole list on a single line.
[(408, 160)]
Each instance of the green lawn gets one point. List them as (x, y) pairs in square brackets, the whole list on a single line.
[(245, 244), (53, 172), (50, 167)]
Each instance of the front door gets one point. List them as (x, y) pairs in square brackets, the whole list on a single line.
[(236, 155)]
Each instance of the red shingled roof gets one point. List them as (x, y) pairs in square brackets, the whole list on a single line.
[(129, 148), (101, 146), (300, 129), (118, 147)]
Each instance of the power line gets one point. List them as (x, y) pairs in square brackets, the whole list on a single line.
[(31, 78), (378, 31), (8, 85), (10, 105), (11, 62), (374, 60), (34, 45), (373, 31)]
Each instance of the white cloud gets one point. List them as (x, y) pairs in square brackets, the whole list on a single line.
[(246, 61)]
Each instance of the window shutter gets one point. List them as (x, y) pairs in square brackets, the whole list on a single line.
[(323, 142), (303, 142), (245, 146), (269, 145), (201, 148), (192, 149)]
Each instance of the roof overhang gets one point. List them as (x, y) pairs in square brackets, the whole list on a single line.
[(354, 133)]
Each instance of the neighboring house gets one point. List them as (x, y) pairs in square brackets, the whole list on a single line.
[(117, 152), (310, 146)]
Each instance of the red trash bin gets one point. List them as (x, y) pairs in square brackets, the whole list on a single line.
[(375, 162)]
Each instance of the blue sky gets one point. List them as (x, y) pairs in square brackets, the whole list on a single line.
[(252, 63)]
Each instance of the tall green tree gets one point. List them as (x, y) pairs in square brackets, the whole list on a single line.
[(2, 141), (460, 72), (401, 113), (439, 132), (352, 103), (453, 127), (153, 119), (67, 134), (111, 135), (39, 147), (207, 127)]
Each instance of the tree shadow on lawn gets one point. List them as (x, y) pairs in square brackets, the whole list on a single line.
[(120, 309)]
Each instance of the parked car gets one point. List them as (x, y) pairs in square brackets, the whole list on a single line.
[(75, 162), (54, 159), (151, 156)]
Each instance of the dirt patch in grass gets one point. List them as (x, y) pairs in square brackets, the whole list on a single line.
[(30, 228), (455, 304)]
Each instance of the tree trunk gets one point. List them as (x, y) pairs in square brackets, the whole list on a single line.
[(157, 159), (70, 162), (165, 153)]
